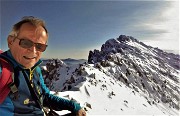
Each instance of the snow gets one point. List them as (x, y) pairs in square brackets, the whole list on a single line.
[(125, 102), (136, 80)]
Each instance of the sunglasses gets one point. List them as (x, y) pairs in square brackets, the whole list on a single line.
[(25, 43)]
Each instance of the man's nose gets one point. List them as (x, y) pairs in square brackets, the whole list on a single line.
[(33, 49)]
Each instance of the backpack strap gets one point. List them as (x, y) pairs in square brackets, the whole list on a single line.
[(34, 94), (7, 80)]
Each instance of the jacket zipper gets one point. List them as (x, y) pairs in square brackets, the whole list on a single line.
[(31, 74), (31, 79)]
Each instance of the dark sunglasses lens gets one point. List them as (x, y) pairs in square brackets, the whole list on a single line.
[(25, 43), (41, 47)]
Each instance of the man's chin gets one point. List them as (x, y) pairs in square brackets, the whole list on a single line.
[(28, 66)]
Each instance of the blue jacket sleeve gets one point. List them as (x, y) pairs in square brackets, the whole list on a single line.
[(55, 102)]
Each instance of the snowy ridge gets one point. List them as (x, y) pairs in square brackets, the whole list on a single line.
[(126, 77)]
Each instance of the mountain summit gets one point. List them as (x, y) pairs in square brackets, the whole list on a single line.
[(141, 67), (130, 48), (125, 77)]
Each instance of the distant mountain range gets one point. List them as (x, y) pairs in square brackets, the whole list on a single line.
[(68, 61), (71, 61), (125, 77)]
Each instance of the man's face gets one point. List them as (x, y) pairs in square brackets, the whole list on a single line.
[(27, 57)]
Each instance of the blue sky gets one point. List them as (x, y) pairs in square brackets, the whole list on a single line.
[(75, 27)]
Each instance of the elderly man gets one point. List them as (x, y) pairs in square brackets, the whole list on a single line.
[(29, 94)]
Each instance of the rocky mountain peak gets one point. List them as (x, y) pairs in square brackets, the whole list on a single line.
[(123, 65), (140, 66)]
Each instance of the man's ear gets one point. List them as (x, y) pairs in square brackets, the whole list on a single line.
[(10, 41)]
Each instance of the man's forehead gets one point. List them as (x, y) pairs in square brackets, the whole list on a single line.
[(41, 30), (27, 27)]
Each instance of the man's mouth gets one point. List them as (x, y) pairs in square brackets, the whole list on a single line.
[(29, 58)]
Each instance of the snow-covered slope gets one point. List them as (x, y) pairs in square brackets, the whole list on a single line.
[(125, 77)]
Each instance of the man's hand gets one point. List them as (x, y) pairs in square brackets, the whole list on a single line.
[(81, 112)]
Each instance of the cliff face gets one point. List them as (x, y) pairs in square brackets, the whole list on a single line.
[(141, 67)]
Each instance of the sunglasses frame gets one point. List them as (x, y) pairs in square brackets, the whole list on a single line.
[(33, 44)]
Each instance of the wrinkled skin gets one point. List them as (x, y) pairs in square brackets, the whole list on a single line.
[(27, 57)]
